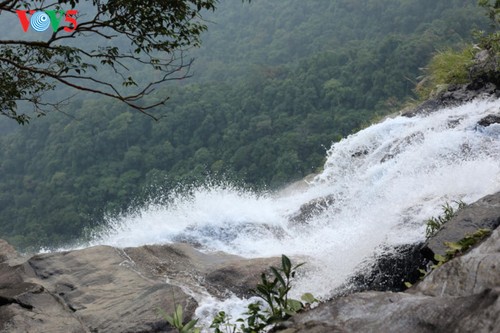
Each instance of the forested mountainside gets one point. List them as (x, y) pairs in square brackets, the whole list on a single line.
[(275, 83), (272, 33)]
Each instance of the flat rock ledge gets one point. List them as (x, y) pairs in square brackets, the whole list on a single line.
[(107, 289), (463, 295)]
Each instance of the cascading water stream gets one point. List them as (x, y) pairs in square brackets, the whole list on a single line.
[(378, 187)]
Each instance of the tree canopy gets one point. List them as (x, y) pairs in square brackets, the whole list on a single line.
[(274, 83), (95, 46)]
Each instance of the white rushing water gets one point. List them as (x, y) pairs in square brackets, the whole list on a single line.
[(383, 183)]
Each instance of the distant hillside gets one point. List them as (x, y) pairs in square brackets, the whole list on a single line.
[(275, 83), (272, 33)]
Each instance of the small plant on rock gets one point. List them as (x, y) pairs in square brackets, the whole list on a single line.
[(458, 248), (278, 306), (275, 291), (176, 320), (434, 224)]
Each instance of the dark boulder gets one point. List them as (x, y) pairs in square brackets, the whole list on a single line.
[(489, 120), (389, 271)]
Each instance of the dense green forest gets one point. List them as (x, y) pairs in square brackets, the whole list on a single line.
[(275, 83)]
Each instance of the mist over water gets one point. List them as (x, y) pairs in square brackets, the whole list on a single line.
[(382, 183)]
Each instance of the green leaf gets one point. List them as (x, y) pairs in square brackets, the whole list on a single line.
[(286, 265), (178, 316), (262, 290), (294, 305), (299, 265), (169, 319), (189, 326), (309, 298), (278, 276)]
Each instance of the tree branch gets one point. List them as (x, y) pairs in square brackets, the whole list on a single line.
[(157, 33)]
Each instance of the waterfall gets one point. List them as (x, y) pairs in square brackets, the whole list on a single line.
[(377, 188)]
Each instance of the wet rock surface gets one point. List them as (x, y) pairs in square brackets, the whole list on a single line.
[(454, 95), (489, 120), (462, 295), (389, 271), (311, 209)]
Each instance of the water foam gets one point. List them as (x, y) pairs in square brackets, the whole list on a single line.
[(383, 183)]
